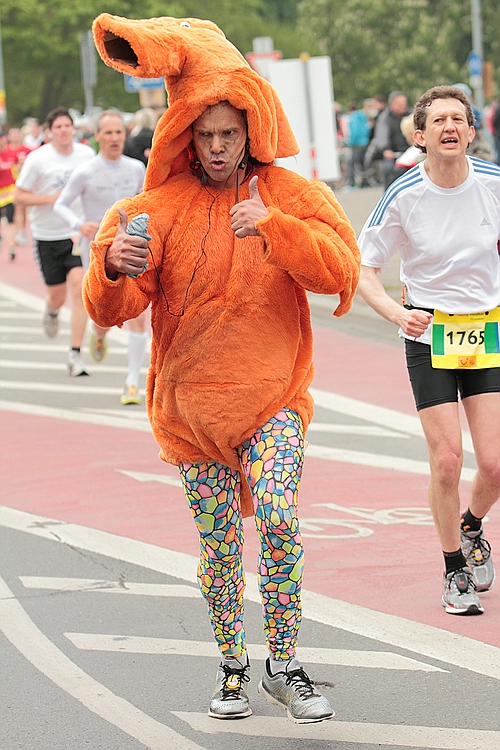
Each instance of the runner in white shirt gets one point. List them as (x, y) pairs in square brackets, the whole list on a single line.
[(443, 218), (99, 184), (43, 175)]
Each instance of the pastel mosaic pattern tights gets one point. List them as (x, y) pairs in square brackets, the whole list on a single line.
[(272, 462)]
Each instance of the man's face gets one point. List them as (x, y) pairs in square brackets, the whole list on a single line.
[(111, 137), (219, 137), (15, 138), (62, 132), (399, 105), (447, 132)]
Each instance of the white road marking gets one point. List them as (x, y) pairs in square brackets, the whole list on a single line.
[(80, 388), (23, 364), (380, 415), (46, 347), (360, 458), (428, 738), (415, 637), (396, 422), (141, 476), (33, 302), (257, 652), (29, 330), (75, 415), (378, 460), (355, 429), (96, 586), (19, 315), (21, 631)]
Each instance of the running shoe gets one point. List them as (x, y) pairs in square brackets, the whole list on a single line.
[(459, 595), (76, 368), (230, 699), (477, 552), (50, 323), (20, 237), (98, 347), (294, 691), (130, 395)]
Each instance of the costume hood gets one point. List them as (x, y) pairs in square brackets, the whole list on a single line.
[(201, 68)]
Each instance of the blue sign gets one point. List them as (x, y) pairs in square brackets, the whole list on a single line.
[(133, 85), (475, 64)]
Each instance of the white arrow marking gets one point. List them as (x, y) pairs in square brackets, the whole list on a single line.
[(333, 656), (428, 738)]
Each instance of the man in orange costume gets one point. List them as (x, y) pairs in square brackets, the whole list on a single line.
[(232, 244)]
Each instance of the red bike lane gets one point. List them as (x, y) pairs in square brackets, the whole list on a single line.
[(72, 471)]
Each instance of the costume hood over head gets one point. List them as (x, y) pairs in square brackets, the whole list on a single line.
[(201, 68)]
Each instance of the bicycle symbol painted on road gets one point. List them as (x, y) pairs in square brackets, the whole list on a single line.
[(361, 525)]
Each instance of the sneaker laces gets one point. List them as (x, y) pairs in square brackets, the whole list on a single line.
[(234, 677), (301, 682), (484, 548)]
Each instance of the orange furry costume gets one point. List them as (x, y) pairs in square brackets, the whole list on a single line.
[(232, 338)]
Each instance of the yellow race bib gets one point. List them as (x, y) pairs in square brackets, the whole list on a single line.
[(465, 341)]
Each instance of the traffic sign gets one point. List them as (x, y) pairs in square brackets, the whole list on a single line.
[(133, 85), (475, 64)]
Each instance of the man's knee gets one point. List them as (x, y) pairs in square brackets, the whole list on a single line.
[(446, 466)]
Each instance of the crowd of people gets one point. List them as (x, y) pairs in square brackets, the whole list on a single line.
[(375, 140), (66, 185), (224, 246)]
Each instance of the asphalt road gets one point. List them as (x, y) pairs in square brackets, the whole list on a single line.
[(104, 641)]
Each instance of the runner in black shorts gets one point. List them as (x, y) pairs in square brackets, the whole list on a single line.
[(432, 386), (43, 175), (55, 259), (442, 218)]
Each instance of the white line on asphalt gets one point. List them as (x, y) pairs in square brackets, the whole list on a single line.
[(19, 315), (96, 586), (50, 661), (360, 458), (46, 347), (355, 429), (378, 460), (142, 476), (428, 738), (415, 637), (60, 387), (75, 416), (380, 415), (28, 330), (33, 302), (337, 657), (39, 365)]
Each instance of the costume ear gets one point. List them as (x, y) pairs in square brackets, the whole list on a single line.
[(149, 47)]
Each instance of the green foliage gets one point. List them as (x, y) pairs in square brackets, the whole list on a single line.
[(378, 46), (42, 53), (375, 45)]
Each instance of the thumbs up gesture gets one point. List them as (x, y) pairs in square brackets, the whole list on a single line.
[(246, 213), (127, 253)]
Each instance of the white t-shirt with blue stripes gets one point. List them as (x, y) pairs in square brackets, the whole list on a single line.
[(446, 239)]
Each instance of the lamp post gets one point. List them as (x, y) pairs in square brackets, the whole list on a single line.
[(3, 110), (476, 57)]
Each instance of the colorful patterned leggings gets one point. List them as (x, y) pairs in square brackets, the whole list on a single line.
[(272, 462)]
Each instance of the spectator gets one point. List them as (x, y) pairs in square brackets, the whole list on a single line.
[(138, 144), (358, 138), (388, 141)]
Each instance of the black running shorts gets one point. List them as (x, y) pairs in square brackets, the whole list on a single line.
[(432, 386), (55, 260)]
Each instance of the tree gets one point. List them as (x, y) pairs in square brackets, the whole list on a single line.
[(42, 53), (377, 46)]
